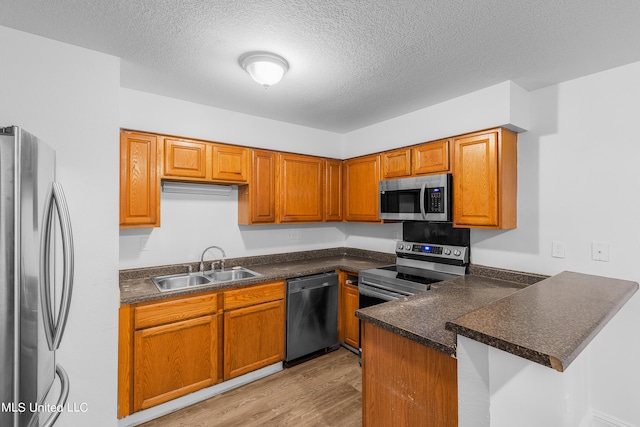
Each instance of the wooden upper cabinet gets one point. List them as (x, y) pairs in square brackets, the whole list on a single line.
[(432, 157), (185, 159), (192, 160), (485, 180), (139, 180), (333, 190), (396, 163), (230, 163), (257, 201), (301, 188), (361, 178)]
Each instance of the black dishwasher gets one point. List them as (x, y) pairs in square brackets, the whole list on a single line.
[(312, 314)]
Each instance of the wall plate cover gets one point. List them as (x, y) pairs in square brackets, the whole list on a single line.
[(600, 251)]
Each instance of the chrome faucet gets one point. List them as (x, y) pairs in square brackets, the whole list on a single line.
[(221, 261)]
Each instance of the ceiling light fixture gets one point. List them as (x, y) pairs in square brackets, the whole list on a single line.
[(264, 67)]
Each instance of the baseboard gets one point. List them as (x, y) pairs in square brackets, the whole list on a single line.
[(198, 396), (603, 420)]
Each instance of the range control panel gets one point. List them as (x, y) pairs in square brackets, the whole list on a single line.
[(426, 249)]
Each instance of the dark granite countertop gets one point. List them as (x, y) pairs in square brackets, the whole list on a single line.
[(136, 286), (551, 322), (423, 317), (545, 320)]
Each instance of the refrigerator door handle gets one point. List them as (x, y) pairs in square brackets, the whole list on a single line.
[(55, 328), (62, 400), (67, 249)]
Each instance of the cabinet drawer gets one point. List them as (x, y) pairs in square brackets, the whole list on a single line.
[(175, 310), (244, 297)]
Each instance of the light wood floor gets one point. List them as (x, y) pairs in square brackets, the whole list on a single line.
[(326, 391)]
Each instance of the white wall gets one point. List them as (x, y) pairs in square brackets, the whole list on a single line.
[(498, 389), (504, 104), (155, 113), (68, 97)]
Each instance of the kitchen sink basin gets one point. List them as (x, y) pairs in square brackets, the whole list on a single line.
[(179, 281), (226, 275), (190, 280)]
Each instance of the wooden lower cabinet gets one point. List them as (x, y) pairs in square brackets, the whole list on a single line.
[(253, 338), (175, 346), (167, 349), (349, 324), (254, 328), (173, 360), (405, 383)]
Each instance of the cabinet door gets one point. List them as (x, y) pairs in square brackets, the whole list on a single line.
[(230, 163), (405, 383), (396, 163), (432, 157), (333, 191), (257, 201), (253, 337), (361, 177), (139, 180), (301, 188), (351, 322), (185, 159), (174, 359), (485, 180)]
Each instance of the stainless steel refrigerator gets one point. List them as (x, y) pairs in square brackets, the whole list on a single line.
[(36, 279)]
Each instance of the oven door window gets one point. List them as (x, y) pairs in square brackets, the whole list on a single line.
[(400, 201)]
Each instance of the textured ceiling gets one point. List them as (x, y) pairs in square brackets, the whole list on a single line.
[(352, 63)]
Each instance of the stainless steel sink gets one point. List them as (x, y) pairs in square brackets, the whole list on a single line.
[(181, 281), (227, 275)]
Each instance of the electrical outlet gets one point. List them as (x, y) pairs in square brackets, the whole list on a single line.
[(600, 251), (557, 249), (144, 243), (294, 235)]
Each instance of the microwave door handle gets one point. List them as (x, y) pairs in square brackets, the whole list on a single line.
[(423, 190)]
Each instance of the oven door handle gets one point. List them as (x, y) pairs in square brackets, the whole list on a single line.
[(369, 285), (378, 293), (423, 190)]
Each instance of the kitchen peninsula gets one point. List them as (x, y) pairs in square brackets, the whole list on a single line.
[(548, 322)]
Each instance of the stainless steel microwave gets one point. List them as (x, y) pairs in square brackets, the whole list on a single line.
[(423, 198)]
